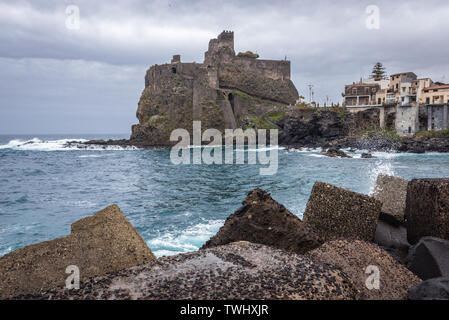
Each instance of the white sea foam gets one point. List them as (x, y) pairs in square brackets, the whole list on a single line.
[(380, 167), (90, 156), (184, 241), (37, 144), (317, 155), (6, 251)]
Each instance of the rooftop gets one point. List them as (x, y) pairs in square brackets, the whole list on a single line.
[(446, 86), (403, 73)]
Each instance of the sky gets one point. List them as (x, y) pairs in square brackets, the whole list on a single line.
[(58, 78)]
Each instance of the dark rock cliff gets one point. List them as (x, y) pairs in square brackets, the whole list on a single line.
[(317, 126)]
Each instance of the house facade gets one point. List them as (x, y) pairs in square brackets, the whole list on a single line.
[(417, 103)]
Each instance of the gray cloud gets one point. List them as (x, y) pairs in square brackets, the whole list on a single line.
[(89, 80)]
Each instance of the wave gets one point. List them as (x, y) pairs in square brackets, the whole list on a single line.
[(190, 239), (37, 144), (90, 156), (380, 167), (6, 251)]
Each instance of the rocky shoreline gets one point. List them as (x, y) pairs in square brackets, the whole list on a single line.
[(392, 245), (371, 143)]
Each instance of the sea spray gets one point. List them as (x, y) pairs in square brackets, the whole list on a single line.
[(383, 166)]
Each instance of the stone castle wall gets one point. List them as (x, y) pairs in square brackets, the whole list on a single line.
[(177, 92)]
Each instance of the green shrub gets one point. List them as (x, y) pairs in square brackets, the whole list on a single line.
[(434, 134), (248, 54)]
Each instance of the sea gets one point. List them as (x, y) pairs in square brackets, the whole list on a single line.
[(45, 187)]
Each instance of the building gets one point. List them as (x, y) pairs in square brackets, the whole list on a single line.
[(414, 103), (360, 94), (435, 94), (436, 100)]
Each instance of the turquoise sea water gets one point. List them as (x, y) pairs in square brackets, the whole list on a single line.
[(176, 208)]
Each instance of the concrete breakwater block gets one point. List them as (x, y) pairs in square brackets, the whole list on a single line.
[(104, 242), (427, 209), (333, 212), (376, 274), (240, 270), (392, 192), (429, 258)]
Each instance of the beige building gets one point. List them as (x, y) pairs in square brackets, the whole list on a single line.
[(404, 97), (435, 94), (403, 85)]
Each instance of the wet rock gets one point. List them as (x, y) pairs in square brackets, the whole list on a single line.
[(417, 149), (334, 212), (354, 258), (239, 270), (334, 153), (427, 209), (432, 289), (392, 192), (263, 220), (429, 258), (367, 156), (101, 243), (392, 239)]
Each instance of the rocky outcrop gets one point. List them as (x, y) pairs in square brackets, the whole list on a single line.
[(427, 209), (334, 212), (224, 92), (429, 258), (235, 271), (263, 220), (104, 242), (359, 260), (392, 192), (432, 289), (422, 144), (367, 156), (336, 153), (318, 126)]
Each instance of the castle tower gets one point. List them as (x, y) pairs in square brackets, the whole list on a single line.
[(220, 48)]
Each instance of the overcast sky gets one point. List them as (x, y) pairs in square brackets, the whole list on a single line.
[(58, 80)]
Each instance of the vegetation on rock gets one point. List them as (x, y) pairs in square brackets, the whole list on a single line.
[(248, 54)]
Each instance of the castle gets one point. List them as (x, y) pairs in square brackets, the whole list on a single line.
[(226, 91)]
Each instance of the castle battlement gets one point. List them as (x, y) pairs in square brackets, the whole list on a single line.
[(226, 36), (223, 69)]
